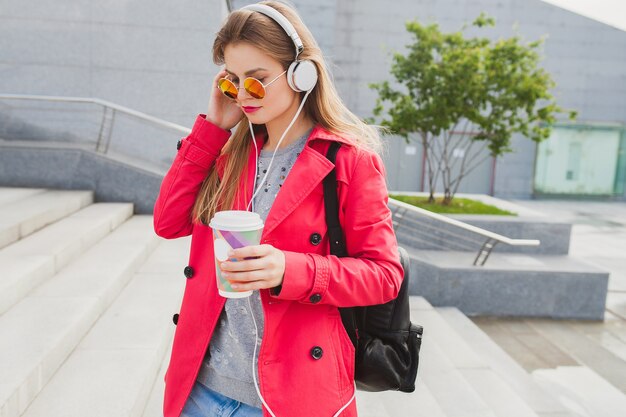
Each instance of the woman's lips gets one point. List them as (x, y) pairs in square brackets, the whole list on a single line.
[(248, 109)]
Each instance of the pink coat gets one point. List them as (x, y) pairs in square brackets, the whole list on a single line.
[(304, 315)]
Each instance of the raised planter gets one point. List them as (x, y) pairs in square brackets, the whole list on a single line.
[(510, 285)]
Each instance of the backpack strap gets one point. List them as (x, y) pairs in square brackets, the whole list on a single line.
[(331, 205), (335, 235)]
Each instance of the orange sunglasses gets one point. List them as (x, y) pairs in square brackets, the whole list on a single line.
[(252, 86)]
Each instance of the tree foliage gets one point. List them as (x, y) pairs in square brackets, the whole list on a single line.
[(451, 91)]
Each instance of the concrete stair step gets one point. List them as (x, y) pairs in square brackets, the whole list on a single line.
[(154, 406), (399, 404), (501, 399), (11, 194), (453, 393), (503, 365), (23, 216), (30, 261), (583, 391), (38, 333), (439, 372), (113, 369), (451, 343), (167, 262), (586, 350)]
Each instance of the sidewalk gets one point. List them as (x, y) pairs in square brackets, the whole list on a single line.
[(598, 238)]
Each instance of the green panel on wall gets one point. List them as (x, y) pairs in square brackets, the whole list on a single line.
[(581, 160)]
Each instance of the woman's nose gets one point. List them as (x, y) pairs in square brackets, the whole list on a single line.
[(242, 93)]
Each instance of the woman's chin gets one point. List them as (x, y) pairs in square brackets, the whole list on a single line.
[(256, 118)]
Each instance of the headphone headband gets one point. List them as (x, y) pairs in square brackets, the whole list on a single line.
[(281, 20)]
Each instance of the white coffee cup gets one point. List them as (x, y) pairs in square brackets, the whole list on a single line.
[(233, 229)]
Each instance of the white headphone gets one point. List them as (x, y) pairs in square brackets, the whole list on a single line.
[(301, 75)]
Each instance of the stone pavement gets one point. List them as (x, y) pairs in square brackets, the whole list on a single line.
[(598, 238)]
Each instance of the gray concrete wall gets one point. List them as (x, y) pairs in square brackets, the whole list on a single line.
[(76, 169), (155, 56), (149, 55)]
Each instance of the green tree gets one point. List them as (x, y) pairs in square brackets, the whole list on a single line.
[(452, 91)]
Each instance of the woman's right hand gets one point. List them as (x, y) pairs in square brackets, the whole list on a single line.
[(223, 112)]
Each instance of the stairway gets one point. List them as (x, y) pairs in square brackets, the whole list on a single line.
[(519, 281), (86, 300), (87, 291)]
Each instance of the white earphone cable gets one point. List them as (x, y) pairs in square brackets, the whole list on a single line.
[(256, 164), (256, 343), (276, 149)]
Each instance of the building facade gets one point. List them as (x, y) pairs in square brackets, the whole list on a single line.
[(155, 56)]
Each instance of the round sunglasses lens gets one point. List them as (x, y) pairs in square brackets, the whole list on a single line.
[(254, 87), (227, 87)]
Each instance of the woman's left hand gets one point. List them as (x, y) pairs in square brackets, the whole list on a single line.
[(257, 267)]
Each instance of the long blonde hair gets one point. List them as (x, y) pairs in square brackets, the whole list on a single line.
[(323, 106)]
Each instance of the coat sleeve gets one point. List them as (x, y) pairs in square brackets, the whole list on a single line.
[(180, 186), (372, 273)]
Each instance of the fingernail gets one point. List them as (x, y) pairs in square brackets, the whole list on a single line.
[(234, 286), (230, 253)]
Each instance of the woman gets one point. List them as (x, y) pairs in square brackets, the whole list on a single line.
[(305, 365)]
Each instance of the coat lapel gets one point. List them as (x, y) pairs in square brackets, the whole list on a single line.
[(309, 170)]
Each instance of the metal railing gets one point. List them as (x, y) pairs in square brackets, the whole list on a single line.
[(434, 235), (123, 134), (420, 231), (109, 111)]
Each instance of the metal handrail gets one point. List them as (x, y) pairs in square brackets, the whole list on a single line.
[(107, 120), (103, 103), (492, 239), (425, 228)]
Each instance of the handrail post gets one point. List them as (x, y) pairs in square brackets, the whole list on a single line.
[(106, 129), (396, 215), (101, 132), (485, 251), (108, 141)]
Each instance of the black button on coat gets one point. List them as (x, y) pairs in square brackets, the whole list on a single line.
[(175, 319), (315, 239), (188, 271), (315, 298), (317, 353)]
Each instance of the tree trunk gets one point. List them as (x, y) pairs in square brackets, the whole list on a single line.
[(431, 171), (447, 197)]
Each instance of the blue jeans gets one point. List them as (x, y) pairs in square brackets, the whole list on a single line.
[(203, 402)]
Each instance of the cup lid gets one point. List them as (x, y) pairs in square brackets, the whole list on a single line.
[(236, 220)]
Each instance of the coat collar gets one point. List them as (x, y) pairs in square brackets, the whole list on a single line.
[(310, 169), (319, 133)]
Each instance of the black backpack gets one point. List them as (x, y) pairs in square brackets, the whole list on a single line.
[(387, 343)]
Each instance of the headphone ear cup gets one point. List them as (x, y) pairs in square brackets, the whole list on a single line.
[(302, 75), (290, 71)]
